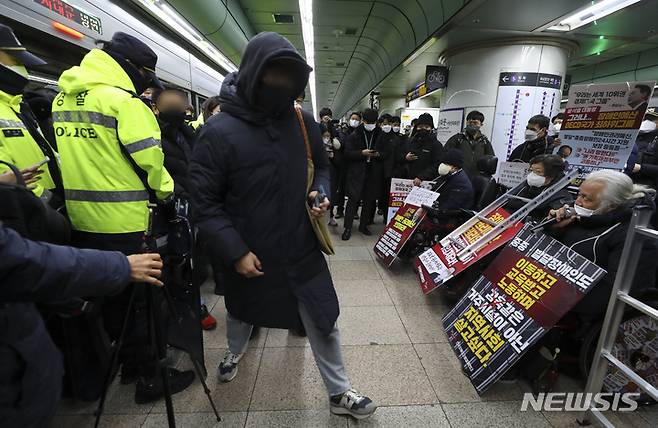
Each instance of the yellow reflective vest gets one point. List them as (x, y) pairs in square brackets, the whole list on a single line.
[(17, 146), (96, 113)]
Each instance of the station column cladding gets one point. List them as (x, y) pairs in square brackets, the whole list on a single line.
[(508, 80)]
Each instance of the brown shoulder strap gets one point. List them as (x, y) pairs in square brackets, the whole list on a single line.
[(300, 118)]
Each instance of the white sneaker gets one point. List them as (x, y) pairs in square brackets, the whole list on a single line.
[(352, 403), (228, 368)]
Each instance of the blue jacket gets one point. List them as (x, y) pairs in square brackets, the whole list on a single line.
[(31, 272), (455, 191)]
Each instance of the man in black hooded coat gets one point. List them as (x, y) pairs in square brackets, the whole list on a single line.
[(249, 170)]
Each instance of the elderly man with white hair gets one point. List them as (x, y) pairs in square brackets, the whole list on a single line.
[(598, 230)]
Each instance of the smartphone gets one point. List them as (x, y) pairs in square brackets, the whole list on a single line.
[(319, 197)]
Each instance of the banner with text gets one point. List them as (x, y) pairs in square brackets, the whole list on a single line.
[(451, 122), (530, 286), (602, 122), (400, 188), (403, 224), (440, 263), (511, 174)]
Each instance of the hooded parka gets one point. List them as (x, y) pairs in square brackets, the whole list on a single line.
[(249, 173)]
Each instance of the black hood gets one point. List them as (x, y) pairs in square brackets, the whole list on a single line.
[(238, 96)]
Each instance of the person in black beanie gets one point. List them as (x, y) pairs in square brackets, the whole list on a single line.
[(425, 151), (453, 184)]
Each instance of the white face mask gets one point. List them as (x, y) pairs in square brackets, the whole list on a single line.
[(535, 180), (387, 128), (19, 69), (326, 140), (354, 123), (582, 211), (396, 129), (557, 127), (647, 126), (444, 169), (369, 126), (530, 135)]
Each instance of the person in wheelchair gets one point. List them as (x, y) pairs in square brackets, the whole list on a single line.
[(544, 171), (595, 227), (598, 229), (453, 184)]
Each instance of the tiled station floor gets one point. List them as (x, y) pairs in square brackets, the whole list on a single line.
[(395, 351)]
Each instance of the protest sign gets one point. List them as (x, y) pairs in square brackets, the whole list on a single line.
[(511, 174), (400, 188), (403, 224), (602, 122), (530, 286), (440, 263)]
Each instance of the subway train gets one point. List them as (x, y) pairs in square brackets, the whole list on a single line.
[(328, 213)]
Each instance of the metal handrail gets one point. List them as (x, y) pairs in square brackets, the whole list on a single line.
[(619, 298)]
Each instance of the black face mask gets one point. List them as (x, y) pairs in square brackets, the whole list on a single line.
[(274, 100), (471, 130), (172, 117), (422, 133), (11, 82)]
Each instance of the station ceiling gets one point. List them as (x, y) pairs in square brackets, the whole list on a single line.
[(361, 45)]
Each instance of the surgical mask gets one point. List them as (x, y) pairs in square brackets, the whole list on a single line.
[(557, 127), (19, 69), (444, 169), (354, 123), (531, 135), (535, 180), (583, 212), (647, 126), (326, 140), (471, 130), (396, 129), (369, 126), (387, 128)]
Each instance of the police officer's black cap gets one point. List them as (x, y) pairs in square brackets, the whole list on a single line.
[(10, 45), (135, 51)]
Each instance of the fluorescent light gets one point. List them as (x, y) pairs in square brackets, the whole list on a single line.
[(591, 13), (179, 25), (306, 14)]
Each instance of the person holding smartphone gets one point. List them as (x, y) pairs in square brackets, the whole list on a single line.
[(364, 152)]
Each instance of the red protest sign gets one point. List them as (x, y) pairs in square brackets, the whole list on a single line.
[(403, 224), (440, 263)]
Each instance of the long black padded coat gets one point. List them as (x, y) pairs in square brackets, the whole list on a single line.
[(250, 176)]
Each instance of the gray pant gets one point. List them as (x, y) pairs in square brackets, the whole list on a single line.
[(326, 349)]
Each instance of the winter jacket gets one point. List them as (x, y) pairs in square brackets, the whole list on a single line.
[(529, 149), (472, 149), (455, 191), (177, 148), (249, 173), (364, 179), (30, 365), (600, 239), (429, 152)]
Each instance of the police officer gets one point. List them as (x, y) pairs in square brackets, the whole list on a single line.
[(21, 140), (112, 165)]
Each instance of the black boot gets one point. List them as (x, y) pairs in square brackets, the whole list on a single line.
[(365, 230), (152, 389), (347, 234)]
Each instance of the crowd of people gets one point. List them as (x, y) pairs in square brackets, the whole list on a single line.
[(111, 145)]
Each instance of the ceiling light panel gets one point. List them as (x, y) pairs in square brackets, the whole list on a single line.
[(591, 13)]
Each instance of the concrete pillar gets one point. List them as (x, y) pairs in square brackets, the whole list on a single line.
[(474, 80)]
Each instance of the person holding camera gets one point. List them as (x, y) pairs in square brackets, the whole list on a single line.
[(31, 367)]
